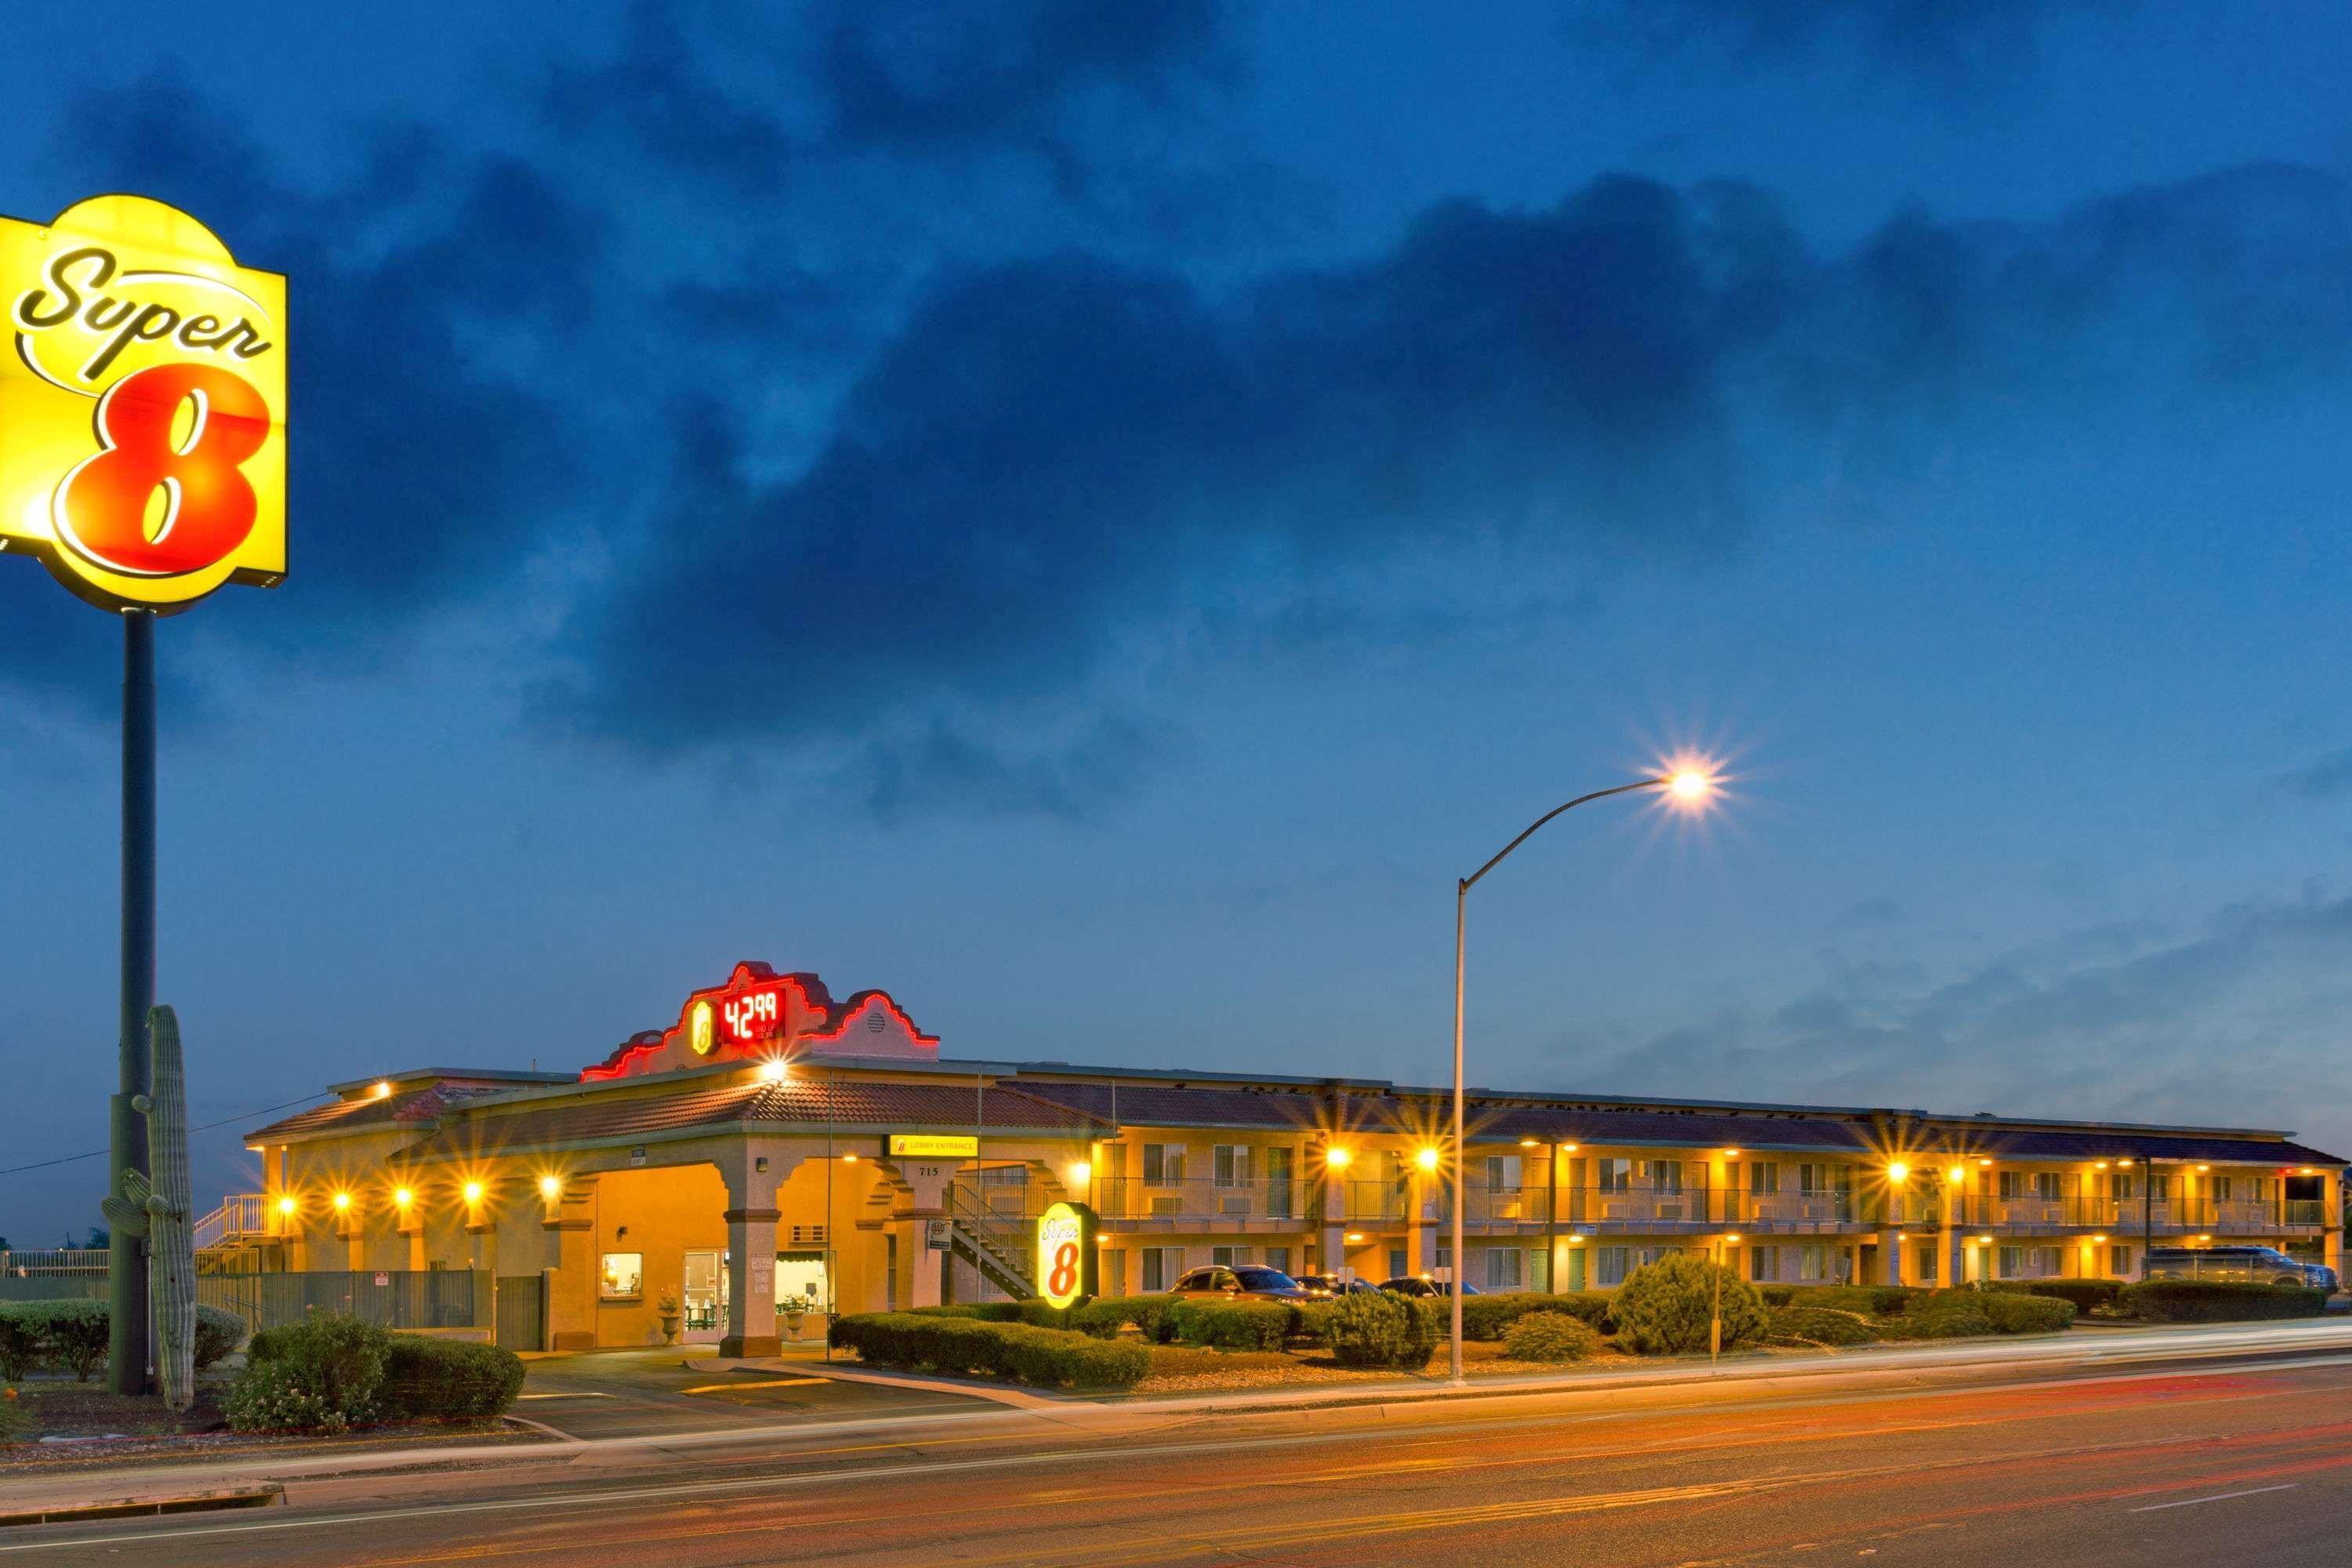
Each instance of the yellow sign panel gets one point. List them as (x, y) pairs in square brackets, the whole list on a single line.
[(933, 1146), (143, 405), (1065, 1254)]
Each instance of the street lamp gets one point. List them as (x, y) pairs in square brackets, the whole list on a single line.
[(1690, 787)]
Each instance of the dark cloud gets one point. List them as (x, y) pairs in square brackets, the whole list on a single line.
[(1952, 44), (942, 772), (2119, 1021), (2324, 778)]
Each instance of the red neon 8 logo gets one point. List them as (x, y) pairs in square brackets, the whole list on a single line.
[(1063, 1279), (102, 507)]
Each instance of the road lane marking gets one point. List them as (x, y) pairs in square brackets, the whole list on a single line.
[(764, 1383), (2219, 1497), (581, 1394)]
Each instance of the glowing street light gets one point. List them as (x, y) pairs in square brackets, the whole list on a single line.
[(1688, 784)]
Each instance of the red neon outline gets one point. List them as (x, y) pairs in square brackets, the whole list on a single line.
[(749, 973)]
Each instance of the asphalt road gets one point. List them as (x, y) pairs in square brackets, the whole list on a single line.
[(2183, 1465), (614, 1393)]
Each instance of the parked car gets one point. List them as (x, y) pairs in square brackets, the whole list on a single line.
[(2261, 1265), (1241, 1282), (1414, 1285), (1327, 1285)]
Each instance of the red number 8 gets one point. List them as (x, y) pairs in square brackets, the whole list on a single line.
[(100, 508), (1064, 1279)]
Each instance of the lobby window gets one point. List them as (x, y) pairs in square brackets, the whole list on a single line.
[(1506, 1268), (1763, 1176), (1163, 1165), (1925, 1273), (1232, 1164), (623, 1277), (1609, 1265)]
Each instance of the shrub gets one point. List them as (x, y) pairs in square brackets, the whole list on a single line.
[(2218, 1300), (332, 1360), (218, 1333), (2015, 1312), (1376, 1329), (1596, 1309), (20, 1342), (1777, 1295), (1232, 1325), (980, 1311), (1816, 1326), (1152, 1317), (71, 1333), (1486, 1317), (447, 1379), (2084, 1293), (272, 1396), (1666, 1306), (1948, 1315), (1314, 1322), (1876, 1300), (1040, 1313), (1047, 1358), (1548, 1336), (1100, 1320)]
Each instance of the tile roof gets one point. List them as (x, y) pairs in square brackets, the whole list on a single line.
[(845, 1103), (402, 1107)]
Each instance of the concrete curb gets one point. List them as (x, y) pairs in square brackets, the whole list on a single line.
[(267, 1495)]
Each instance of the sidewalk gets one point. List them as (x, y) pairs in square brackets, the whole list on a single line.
[(2075, 1352)]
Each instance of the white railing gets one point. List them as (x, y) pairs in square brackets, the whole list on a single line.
[(23, 1264), (240, 1214)]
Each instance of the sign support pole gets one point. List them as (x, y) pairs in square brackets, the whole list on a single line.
[(127, 1334)]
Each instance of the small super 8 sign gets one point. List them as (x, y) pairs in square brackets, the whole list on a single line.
[(1067, 1270), (143, 405)]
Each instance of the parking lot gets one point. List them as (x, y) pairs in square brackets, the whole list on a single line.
[(637, 1393)]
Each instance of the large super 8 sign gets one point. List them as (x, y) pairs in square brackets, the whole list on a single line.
[(1067, 1268), (143, 405)]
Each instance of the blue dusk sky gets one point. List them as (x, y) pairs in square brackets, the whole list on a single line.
[(1091, 519)]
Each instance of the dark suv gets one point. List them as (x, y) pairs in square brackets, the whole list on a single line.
[(2259, 1265), (1414, 1285), (1241, 1282)]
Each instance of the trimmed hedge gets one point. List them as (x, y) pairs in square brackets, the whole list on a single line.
[(2016, 1312), (2218, 1300), (1043, 1358), (71, 1336), (447, 1379), (1874, 1300), (1233, 1325), (1376, 1329), (2084, 1293), (1099, 1320), (1546, 1335), (978, 1311), (1956, 1314), (1816, 1326), (1668, 1307)]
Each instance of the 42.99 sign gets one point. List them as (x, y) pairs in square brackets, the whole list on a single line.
[(143, 405)]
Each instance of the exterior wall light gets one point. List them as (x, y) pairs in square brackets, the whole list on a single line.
[(285, 1206), (1427, 1157), (1081, 1172), (773, 1070), (850, 1159), (1337, 1159), (1531, 1142), (1731, 1153), (383, 1090), (473, 1191), (551, 1187), (1898, 1173), (403, 1196), (1355, 1236), (343, 1203), (1567, 1148), (1957, 1175)]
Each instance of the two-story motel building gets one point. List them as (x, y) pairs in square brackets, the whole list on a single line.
[(776, 1145)]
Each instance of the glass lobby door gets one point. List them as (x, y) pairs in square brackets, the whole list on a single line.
[(704, 1298)]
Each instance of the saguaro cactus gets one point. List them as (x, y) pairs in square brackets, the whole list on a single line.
[(158, 1208)]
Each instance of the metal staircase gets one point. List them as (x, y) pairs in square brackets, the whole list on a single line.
[(996, 1245)]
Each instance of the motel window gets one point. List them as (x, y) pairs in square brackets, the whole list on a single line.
[(1506, 1268), (623, 1277), (2223, 1186), (2160, 1188), (1228, 1256), (1444, 1253), (1609, 1265), (1665, 1175), (1279, 1259), (2045, 1184), (1005, 1175), (1811, 1178), (1160, 1267), (1502, 1172), (1232, 1164), (1925, 1273), (2009, 1187), (2047, 1262), (2119, 1261), (2012, 1262), (1812, 1262), (1278, 1162), (1763, 1176), (1616, 1176), (1163, 1165), (2122, 1187), (1396, 1263), (1764, 1263)]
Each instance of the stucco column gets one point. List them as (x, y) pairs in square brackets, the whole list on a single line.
[(568, 1267), (750, 1283), (1956, 1231), (2331, 1215), (1331, 1245), (1890, 1257), (928, 1184)]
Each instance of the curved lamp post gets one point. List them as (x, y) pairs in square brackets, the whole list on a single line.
[(1690, 787)]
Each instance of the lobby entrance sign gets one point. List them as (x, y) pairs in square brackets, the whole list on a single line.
[(142, 460)]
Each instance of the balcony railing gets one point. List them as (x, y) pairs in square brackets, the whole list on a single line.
[(1256, 1199), (2174, 1216)]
